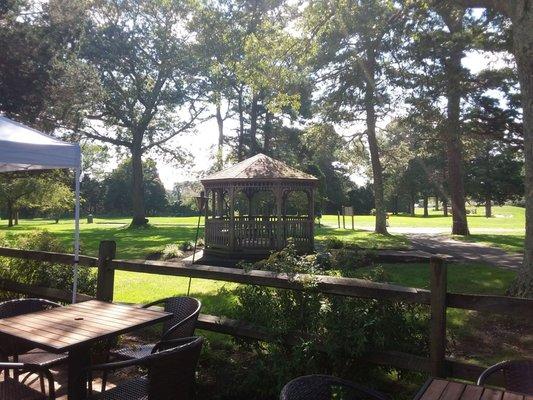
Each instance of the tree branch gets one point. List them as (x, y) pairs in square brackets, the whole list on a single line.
[(502, 6)]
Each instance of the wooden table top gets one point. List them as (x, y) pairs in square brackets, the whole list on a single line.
[(441, 389), (62, 328)]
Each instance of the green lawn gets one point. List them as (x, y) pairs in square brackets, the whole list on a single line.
[(139, 243), (505, 217)]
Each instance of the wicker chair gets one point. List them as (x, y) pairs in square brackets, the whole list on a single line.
[(12, 389), (184, 311), (325, 387), (18, 351), (517, 374), (171, 369)]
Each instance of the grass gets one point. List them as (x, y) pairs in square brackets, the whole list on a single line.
[(139, 243), (509, 218)]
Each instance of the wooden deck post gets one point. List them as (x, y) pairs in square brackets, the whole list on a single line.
[(106, 274), (438, 317)]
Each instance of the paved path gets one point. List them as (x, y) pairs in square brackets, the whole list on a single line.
[(459, 250)]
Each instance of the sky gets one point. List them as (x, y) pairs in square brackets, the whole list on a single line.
[(202, 144)]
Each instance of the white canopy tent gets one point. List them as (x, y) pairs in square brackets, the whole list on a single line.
[(24, 149)]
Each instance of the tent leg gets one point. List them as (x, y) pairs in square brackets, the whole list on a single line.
[(76, 237)]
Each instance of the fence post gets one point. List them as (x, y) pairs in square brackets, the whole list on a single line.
[(106, 274), (438, 317)]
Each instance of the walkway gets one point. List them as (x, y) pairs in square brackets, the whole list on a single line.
[(466, 251)]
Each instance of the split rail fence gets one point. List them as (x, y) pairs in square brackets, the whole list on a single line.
[(438, 298)]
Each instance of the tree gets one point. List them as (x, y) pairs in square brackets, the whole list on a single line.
[(494, 175), (117, 189), (148, 79), (520, 13), (43, 191), (356, 39), (39, 71)]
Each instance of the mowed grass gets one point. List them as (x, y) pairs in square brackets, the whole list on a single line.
[(505, 218), (139, 243)]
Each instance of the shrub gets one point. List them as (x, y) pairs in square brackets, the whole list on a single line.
[(45, 274), (186, 246), (350, 258), (317, 333), (172, 251), (333, 243)]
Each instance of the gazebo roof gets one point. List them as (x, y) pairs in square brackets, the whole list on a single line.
[(259, 167)]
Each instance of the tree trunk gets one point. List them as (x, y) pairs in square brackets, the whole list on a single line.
[(523, 51), (137, 187), (488, 207), (426, 211), (452, 130), (240, 145), (267, 132), (16, 213), (9, 214), (445, 207), (377, 170), (220, 123), (254, 113), (412, 206)]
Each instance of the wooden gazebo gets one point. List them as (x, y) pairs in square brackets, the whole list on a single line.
[(242, 222)]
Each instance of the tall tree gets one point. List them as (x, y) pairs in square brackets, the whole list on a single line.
[(356, 39), (147, 69), (520, 13)]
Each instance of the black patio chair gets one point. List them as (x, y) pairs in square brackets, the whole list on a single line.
[(325, 387), (170, 373), (13, 389), (18, 351), (517, 375), (185, 311)]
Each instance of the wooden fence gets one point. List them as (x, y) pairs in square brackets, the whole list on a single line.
[(438, 299)]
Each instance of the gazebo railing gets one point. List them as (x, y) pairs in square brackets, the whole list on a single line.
[(257, 232)]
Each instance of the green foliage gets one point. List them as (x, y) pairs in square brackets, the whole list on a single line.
[(118, 194), (41, 273), (317, 333), (172, 251), (187, 245)]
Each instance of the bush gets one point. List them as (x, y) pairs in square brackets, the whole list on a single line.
[(45, 274), (317, 333), (172, 251), (334, 243), (186, 246)]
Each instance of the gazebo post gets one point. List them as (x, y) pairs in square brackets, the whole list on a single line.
[(311, 197), (278, 191), (232, 218)]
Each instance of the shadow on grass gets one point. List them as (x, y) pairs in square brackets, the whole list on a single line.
[(505, 242)]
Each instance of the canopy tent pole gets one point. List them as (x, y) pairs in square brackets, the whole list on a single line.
[(76, 237)]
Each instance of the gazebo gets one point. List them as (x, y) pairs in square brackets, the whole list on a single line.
[(256, 206)]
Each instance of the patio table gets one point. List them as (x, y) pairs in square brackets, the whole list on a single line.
[(74, 328), (441, 389)]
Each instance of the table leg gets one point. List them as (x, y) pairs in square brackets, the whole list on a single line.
[(78, 360)]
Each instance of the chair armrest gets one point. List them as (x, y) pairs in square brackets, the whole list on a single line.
[(489, 371), (112, 366), (35, 368), (155, 303), (165, 344)]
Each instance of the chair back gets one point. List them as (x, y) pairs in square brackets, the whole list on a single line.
[(12, 308), (185, 312), (325, 387), (171, 369)]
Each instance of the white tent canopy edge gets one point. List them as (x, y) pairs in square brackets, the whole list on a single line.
[(23, 149)]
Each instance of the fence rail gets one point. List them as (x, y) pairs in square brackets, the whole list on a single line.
[(438, 298)]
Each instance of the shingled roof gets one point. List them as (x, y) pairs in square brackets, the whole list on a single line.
[(259, 167)]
